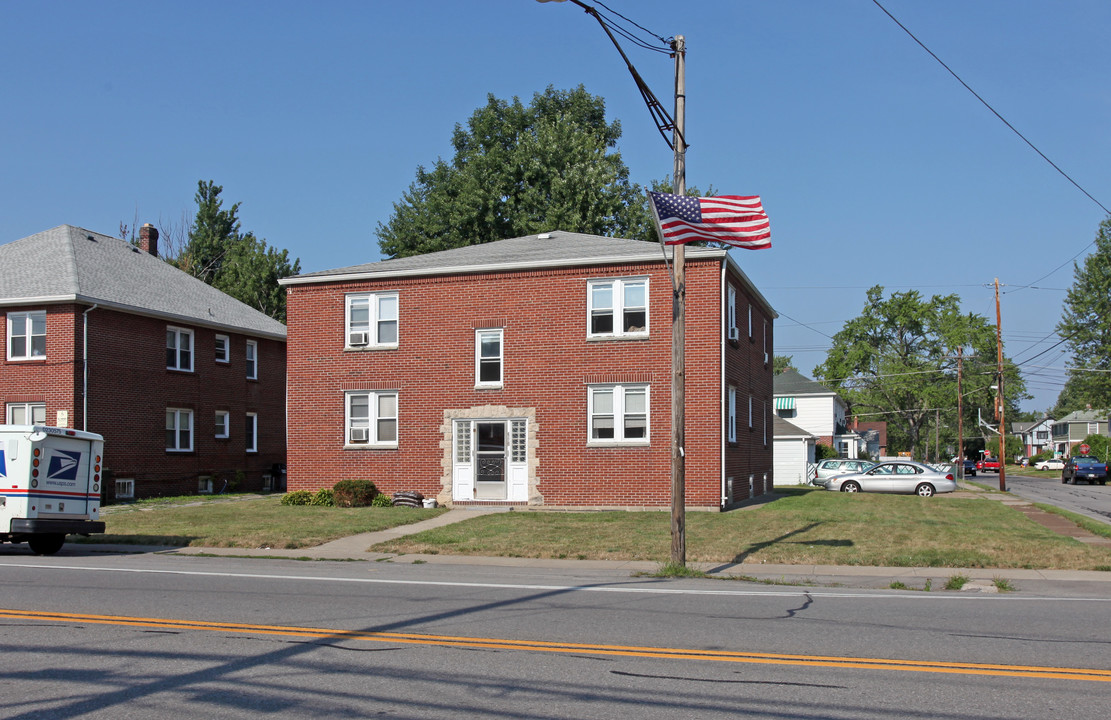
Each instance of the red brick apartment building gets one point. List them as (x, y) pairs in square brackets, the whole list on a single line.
[(530, 371), (185, 383)]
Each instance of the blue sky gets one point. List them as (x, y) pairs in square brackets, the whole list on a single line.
[(875, 165)]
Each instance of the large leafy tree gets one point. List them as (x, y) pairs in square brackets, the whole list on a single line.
[(1086, 329), (517, 170), (897, 362), (237, 263)]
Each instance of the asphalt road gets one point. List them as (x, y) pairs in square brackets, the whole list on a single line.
[(1093, 501), (141, 636)]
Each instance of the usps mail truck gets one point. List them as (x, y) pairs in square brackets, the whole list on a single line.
[(49, 485)]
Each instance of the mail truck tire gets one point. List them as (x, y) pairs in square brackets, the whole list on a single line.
[(47, 543)]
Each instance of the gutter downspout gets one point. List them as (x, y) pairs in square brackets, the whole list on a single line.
[(721, 394), (85, 368)]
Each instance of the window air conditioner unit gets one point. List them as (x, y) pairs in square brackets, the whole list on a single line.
[(360, 434), (358, 338), (734, 333)]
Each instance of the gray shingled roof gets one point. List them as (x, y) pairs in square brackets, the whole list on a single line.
[(1085, 416), (782, 428), (71, 264), (556, 248), (790, 382)]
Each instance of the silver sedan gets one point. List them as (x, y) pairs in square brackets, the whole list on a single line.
[(901, 476)]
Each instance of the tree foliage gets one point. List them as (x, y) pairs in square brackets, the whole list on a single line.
[(237, 263), (897, 362), (1085, 328), (519, 170), (781, 363)]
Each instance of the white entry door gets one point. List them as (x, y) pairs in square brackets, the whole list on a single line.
[(490, 460)]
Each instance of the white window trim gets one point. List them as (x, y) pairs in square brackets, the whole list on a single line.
[(750, 321), (227, 348), (28, 322), (251, 356), (618, 295), (478, 382), (749, 412), (250, 433), (618, 415), (731, 310), (29, 411), (732, 414), (125, 488), (372, 419), (179, 331), (227, 424), (374, 301), (180, 413)]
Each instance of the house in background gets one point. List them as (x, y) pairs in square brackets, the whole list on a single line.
[(530, 371), (816, 409), (185, 383), (1076, 426), (873, 437), (794, 452), (1036, 437)]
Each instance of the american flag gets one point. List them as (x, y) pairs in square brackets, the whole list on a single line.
[(736, 220)]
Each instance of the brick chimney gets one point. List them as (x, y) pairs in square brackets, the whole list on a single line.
[(148, 239)]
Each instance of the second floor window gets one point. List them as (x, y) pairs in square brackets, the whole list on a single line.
[(732, 414), (27, 335), (488, 358), (179, 349), (223, 428), (617, 308), (252, 360), (222, 349), (26, 413), (372, 320)]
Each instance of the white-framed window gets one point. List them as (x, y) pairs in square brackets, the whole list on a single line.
[(617, 308), (750, 321), (371, 418), (767, 355), (749, 412), (488, 349), (179, 430), (223, 424), (223, 349), (1093, 428), (732, 330), (372, 320), (618, 414), (179, 349), (28, 413), (765, 413), (250, 433), (204, 485), (252, 359), (27, 335), (732, 414), (125, 488)]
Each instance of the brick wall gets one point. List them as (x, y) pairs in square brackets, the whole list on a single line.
[(130, 389), (548, 364)]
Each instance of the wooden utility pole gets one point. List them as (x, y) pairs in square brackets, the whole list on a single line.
[(999, 382), (960, 412), (679, 327)]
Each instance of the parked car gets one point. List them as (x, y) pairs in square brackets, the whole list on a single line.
[(838, 466), (969, 467), (988, 464), (1088, 468), (901, 476), (1050, 464)]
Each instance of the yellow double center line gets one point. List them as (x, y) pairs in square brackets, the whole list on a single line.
[(1056, 673)]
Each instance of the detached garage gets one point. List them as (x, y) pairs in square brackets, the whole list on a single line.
[(793, 452)]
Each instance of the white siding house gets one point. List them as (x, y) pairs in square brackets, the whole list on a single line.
[(817, 410), (793, 450)]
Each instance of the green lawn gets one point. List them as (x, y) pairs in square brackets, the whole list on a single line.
[(796, 526), (247, 521)]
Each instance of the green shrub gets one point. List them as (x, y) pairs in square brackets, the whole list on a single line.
[(297, 497), (381, 500), (324, 497), (354, 493)]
